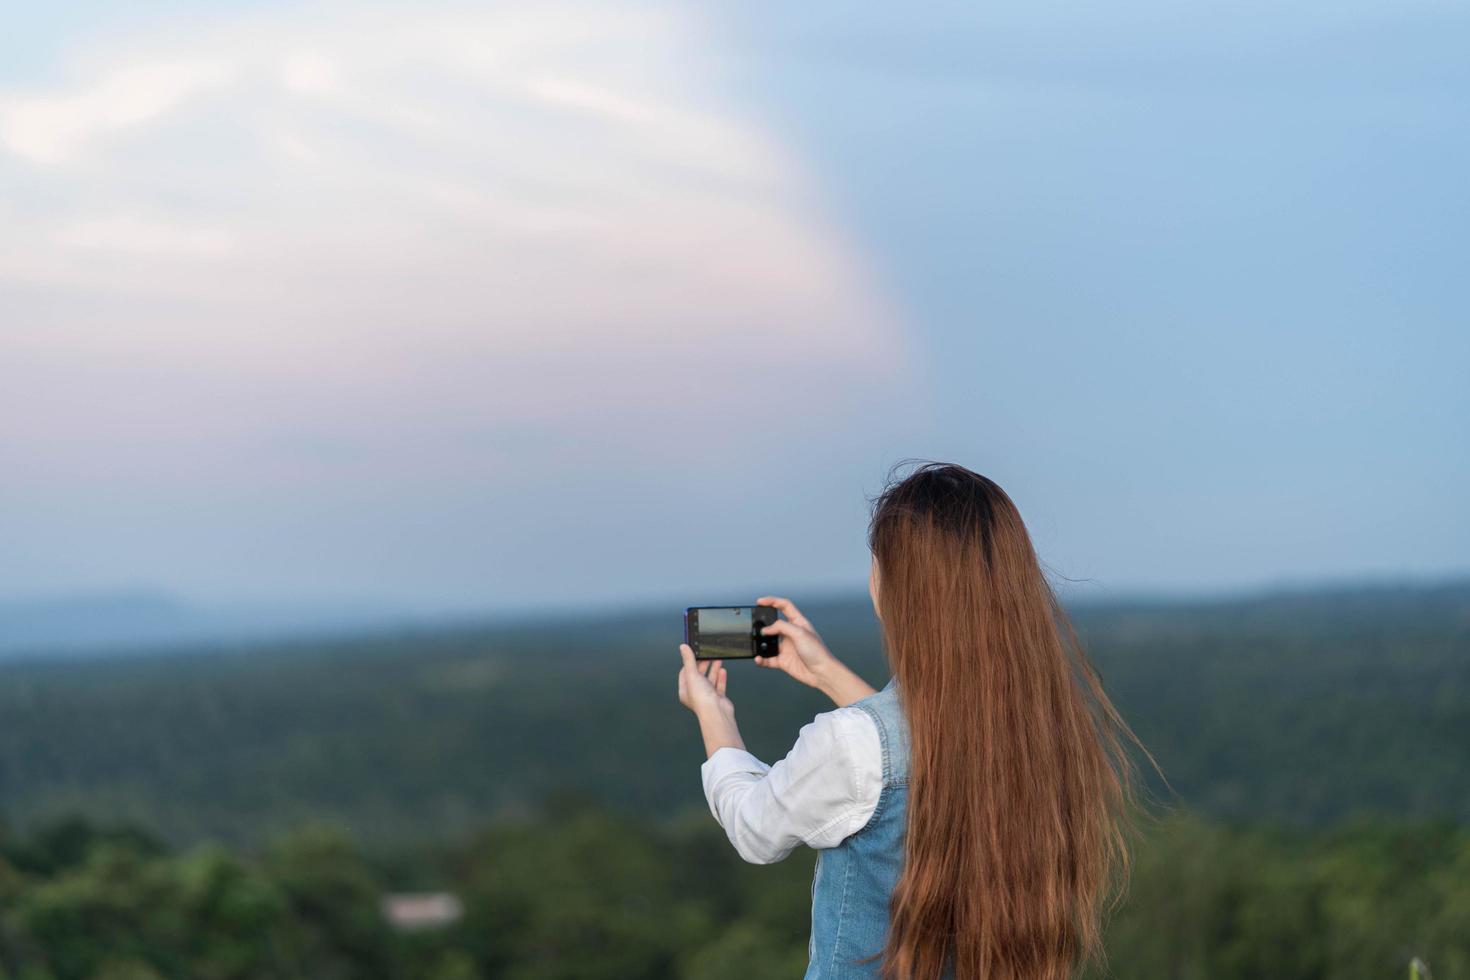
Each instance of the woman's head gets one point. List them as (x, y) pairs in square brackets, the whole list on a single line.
[(1019, 783)]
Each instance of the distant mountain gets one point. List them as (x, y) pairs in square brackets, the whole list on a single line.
[(1288, 609), (136, 621)]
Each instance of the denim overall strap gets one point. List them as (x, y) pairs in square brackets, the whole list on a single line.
[(855, 879)]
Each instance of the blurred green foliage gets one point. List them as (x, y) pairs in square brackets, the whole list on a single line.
[(582, 893)]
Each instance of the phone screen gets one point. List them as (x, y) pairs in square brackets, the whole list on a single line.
[(724, 632)]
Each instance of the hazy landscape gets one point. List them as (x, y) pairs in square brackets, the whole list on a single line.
[(541, 770), (379, 382)]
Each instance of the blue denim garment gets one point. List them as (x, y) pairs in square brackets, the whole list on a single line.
[(855, 879)]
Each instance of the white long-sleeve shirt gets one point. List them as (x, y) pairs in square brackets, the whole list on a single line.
[(825, 790)]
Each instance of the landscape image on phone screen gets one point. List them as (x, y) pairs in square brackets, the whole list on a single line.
[(724, 633)]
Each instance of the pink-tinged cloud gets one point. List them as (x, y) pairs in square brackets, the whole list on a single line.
[(362, 224), (268, 262)]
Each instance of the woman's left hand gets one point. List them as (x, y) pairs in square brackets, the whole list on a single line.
[(702, 683), (702, 691)]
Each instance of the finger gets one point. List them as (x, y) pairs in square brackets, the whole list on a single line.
[(705, 666), (767, 662), (783, 628), (787, 608), (687, 655), (721, 681)]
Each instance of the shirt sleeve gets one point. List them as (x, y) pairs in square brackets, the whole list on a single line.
[(825, 790)]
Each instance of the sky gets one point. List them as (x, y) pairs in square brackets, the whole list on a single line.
[(543, 304)]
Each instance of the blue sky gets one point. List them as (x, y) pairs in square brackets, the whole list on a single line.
[(468, 306)]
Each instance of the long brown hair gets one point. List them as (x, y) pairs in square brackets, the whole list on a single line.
[(1019, 785)]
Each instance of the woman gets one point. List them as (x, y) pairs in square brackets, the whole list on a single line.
[(970, 815)]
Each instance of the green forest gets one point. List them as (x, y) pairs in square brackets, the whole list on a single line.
[(242, 812)]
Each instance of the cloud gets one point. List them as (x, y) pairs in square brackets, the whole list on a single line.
[(122, 233), (54, 128), (372, 227)]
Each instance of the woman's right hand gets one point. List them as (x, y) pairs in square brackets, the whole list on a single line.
[(801, 653), (804, 656)]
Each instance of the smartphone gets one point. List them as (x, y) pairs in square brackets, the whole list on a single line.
[(730, 632)]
